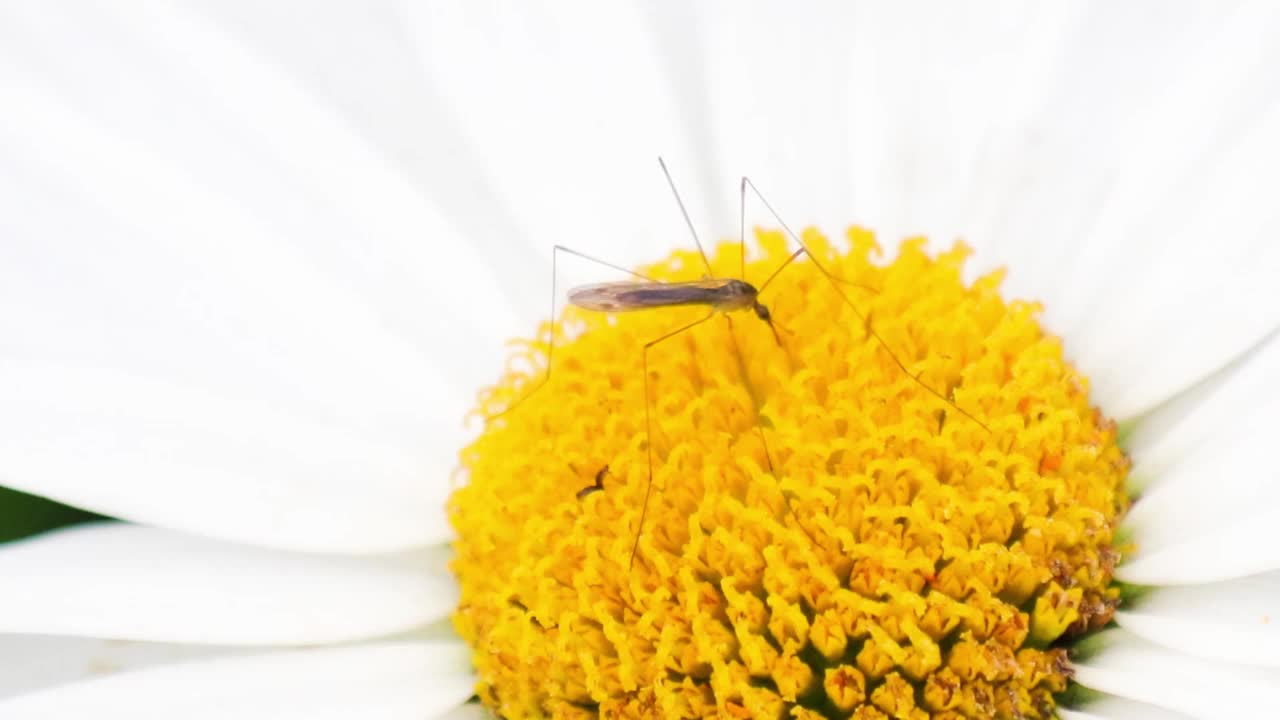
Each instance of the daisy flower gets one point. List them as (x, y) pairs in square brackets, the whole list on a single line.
[(257, 260)]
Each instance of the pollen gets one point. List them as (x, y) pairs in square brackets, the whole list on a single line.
[(901, 504)]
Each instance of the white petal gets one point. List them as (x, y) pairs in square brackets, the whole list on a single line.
[(886, 115), (1112, 708), (1205, 461), (362, 60), (209, 254), (1223, 407), (568, 103), (1208, 462), (1244, 547), (131, 582), (753, 111), (1236, 621), (389, 680), (185, 457), (1129, 667), (1173, 277), (48, 660), (1201, 310)]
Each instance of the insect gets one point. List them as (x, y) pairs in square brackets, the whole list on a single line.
[(597, 486), (720, 296)]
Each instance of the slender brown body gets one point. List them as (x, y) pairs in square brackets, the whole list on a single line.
[(720, 294)]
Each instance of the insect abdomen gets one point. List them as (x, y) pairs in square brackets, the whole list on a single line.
[(621, 297)]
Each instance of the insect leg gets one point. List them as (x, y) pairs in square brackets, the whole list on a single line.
[(687, 221), (755, 406), (742, 237), (648, 426), (556, 250), (746, 182)]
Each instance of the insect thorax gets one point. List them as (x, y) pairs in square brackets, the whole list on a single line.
[(735, 295)]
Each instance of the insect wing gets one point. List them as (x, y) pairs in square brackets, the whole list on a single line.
[(624, 296)]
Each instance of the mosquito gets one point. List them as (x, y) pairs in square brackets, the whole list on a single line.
[(720, 296)]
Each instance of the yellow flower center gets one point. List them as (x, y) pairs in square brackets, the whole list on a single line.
[(825, 537)]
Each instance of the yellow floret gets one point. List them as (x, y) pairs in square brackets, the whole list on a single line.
[(825, 537)]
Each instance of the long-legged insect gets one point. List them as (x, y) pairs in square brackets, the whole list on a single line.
[(719, 296)]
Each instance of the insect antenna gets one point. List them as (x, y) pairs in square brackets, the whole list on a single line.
[(746, 182)]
